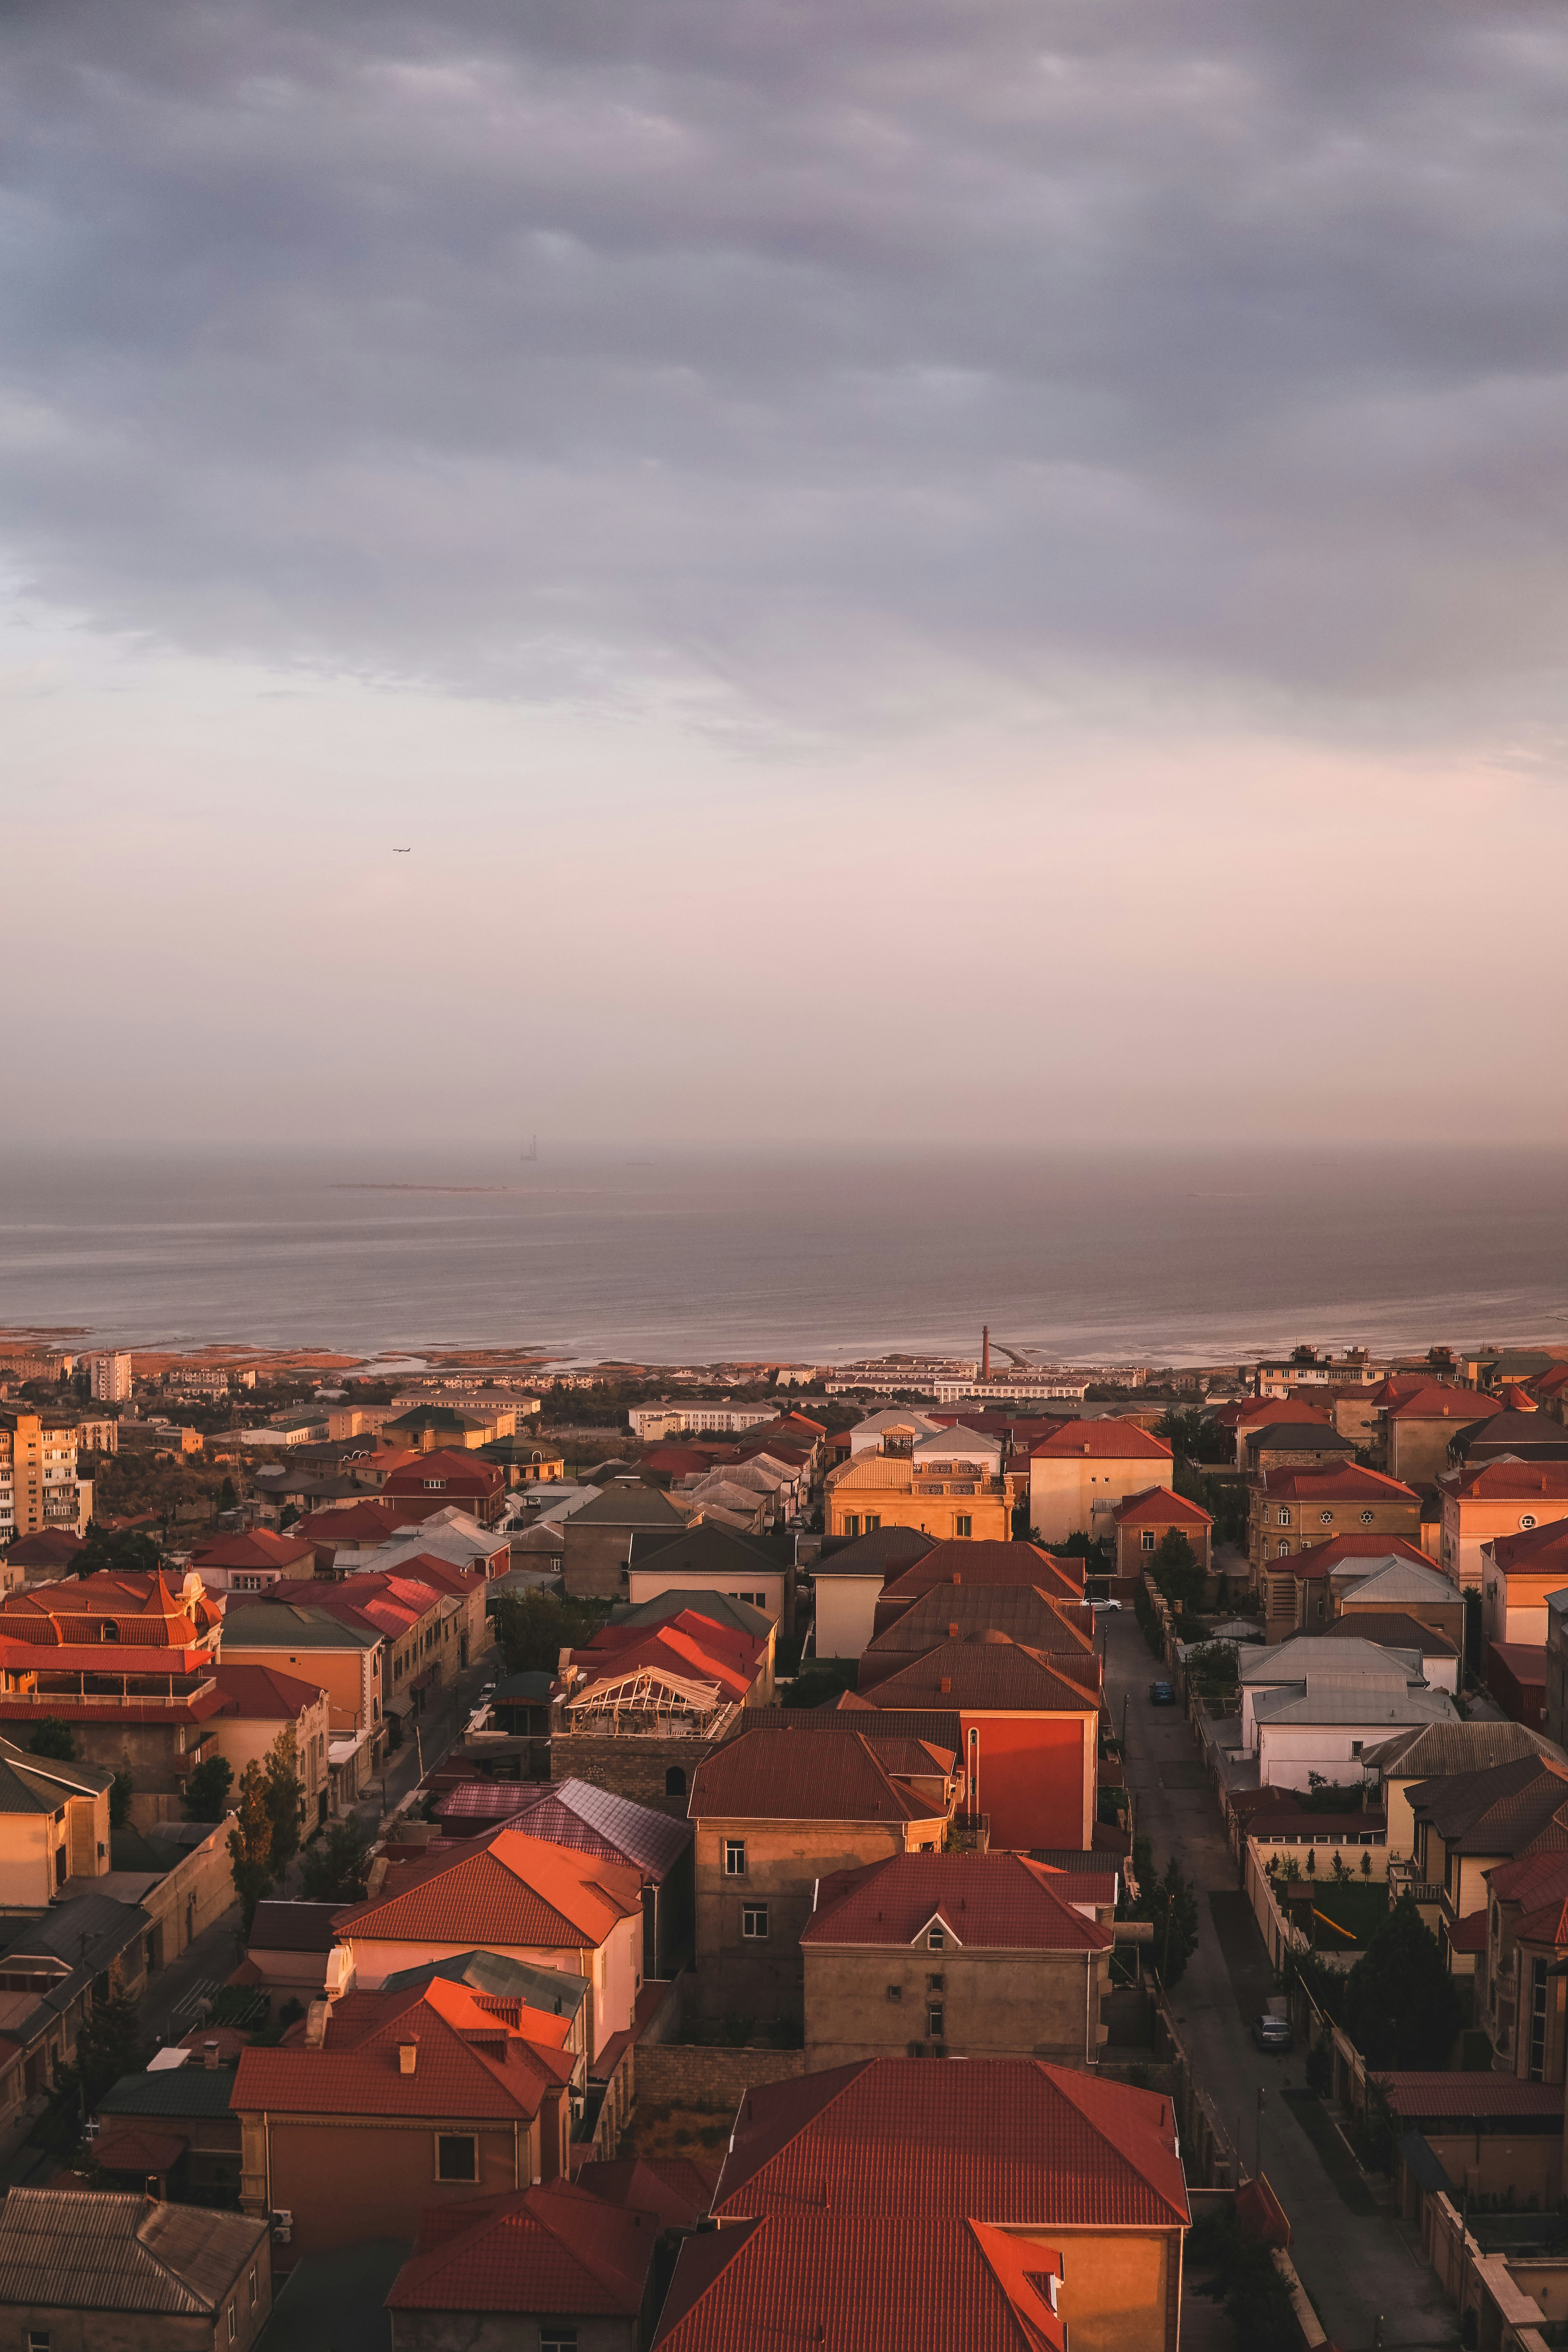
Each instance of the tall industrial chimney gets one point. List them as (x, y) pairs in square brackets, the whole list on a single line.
[(986, 1351)]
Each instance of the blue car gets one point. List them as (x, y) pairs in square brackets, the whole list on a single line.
[(1162, 1694)]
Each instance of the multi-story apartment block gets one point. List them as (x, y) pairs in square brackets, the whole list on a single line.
[(38, 1483), (111, 1377)]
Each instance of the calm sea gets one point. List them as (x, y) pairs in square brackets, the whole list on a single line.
[(1084, 1257)]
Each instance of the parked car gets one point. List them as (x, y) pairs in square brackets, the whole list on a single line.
[(1273, 2034), (1162, 1694), (1105, 1607)]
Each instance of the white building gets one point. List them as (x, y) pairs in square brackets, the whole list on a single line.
[(1318, 1704), (674, 1416)]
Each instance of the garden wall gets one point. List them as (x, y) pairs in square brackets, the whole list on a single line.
[(686, 2075)]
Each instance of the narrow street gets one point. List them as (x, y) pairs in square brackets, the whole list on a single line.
[(1355, 2267)]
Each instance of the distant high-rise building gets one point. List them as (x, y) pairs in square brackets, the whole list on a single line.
[(111, 1378)]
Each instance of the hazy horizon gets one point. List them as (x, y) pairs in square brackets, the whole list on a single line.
[(904, 573)]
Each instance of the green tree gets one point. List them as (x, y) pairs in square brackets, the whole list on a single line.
[(1169, 1904), (227, 1500), (281, 1778), (55, 1738), (250, 1842), (207, 1788), (1401, 2009), (532, 1628), (120, 1791), (1194, 1436), (335, 1864), (1175, 1569), (123, 1552)]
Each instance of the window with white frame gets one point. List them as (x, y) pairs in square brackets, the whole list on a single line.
[(754, 1922), (734, 1857)]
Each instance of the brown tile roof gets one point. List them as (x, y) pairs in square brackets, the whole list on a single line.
[(1014, 2139), (1392, 1629), (991, 1902), (1534, 1551), (986, 1670), (514, 1891), (1420, 2097), (1339, 1551), (263, 1691), (1499, 1811), (1346, 1483), (1020, 1611), (988, 1563), (1442, 1401), (825, 1776)]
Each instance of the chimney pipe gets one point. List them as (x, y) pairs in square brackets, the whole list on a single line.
[(986, 1351), (407, 2051)]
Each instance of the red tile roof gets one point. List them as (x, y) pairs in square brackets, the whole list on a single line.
[(985, 1562), (1014, 2139), (1533, 1879), (862, 2286), (1323, 1558), (991, 1902), (671, 1650), (1508, 1481), (461, 1473), (1160, 1506), (138, 2148), (263, 1691), (1270, 1412), (986, 1670), (556, 2248), (514, 1892), (470, 2061), (1468, 1934), (1442, 1401), (1347, 1483), (1391, 1629), (1020, 1611), (676, 2187), (259, 1548), (1120, 1441), (1534, 1551), (49, 1547), (369, 1522), (142, 1610), (1548, 1925), (828, 1776)]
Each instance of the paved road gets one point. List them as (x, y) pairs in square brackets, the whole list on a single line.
[(1354, 2268)]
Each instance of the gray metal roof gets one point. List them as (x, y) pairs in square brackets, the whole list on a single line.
[(112, 2252), (280, 1625), (1353, 1703), (40, 1784), (1337, 1660), (557, 1992), (1438, 1751), (193, 2090), (627, 1503), (654, 1841), (1391, 1584), (718, 1607)]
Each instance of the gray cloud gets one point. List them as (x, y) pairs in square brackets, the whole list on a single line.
[(805, 348)]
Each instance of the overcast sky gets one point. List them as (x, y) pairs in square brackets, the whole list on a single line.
[(902, 570)]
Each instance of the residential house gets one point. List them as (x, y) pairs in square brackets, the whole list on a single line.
[(896, 1429), (596, 1538), (54, 1825), (958, 1956), (951, 1612), (1316, 1705), (1079, 1477), (1396, 1629), (288, 1949), (640, 1718), (596, 1821), (1439, 1752), (1416, 1429), (1295, 1446), (949, 1485), (1241, 1418), (705, 1557), (1372, 1583), (42, 1559), (955, 1565), (676, 1417), (438, 1481), (254, 1562), (1142, 1522), (848, 1576), (775, 1811), (1521, 1968), (443, 1428), (1502, 2140), (389, 2103), (1517, 1573), (722, 1609), (261, 1705), (1516, 1677), (552, 2265), (686, 1646), (526, 1461), (1466, 1825), (1495, 1498), (1298, 1587), (480, 1554), (1030, 1734), (1512, 1434), (346, 1535), (1290, 1510), (431, 1619), (344, 1656), (541, 1904), (132, 2271), (1007, 2201), (171, 2130), (39, 1484)]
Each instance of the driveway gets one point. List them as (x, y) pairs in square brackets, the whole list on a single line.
[(1355, 2266)]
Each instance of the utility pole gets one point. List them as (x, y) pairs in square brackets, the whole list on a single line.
[(1262, 2095)]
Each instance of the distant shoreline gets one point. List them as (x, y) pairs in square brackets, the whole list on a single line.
[(422, 1188)]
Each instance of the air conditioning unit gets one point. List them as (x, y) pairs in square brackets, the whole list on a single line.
[(283, 2226)]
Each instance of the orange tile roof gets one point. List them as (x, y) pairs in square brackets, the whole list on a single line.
[(1442, 1401), (1322, 1558), (1015, 2139), (514, 1892), (1116, 1439), (990, 1902), (1507, 1481), (259, 1548), (1533, 1551), (263, 1691)]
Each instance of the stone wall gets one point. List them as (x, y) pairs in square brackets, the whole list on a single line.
[(683, 2074), (635, 1767)]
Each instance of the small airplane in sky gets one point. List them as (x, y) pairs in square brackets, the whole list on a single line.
[(403, 853)]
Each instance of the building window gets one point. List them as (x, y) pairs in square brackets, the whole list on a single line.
[(754, 1922), (873, 1521), (37, 2339), (675, 1781), (1528, 1520), (1282, 1550), (935, 1940), (934, 2029), (734, 1857), (233, 2323), (1148, 1538), (457, 2156), (1326, 1518), (895, 1992), (557, 2338), (1284, 1517), (1366, 1518), (852, 1524)]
